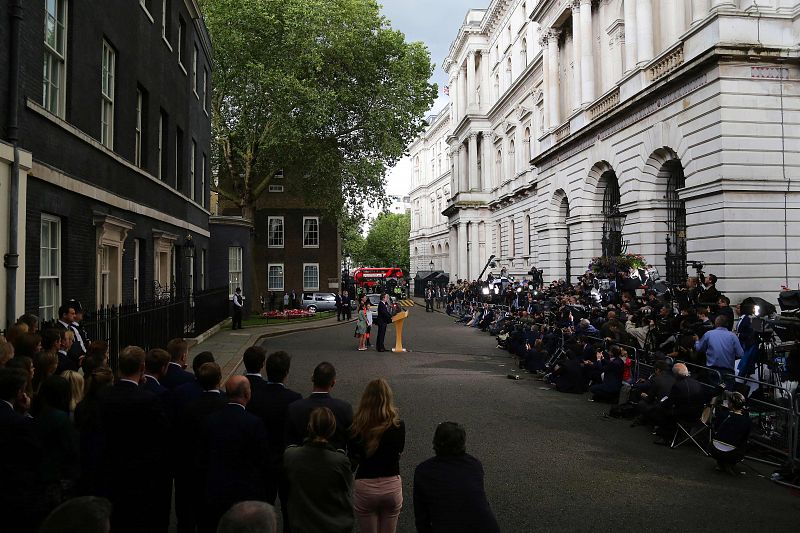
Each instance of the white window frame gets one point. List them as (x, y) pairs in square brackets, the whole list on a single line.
[(107, 77), (202, 269), (137, 155), (203, 181), (269, 232), (164, 15), (205, 90), (192, 162), (270, 286), (143, 3), (104, 275), (179, 44), (194, 71), (310, 287), (159, 171), (235, 265), (316, 219), (136, 259), (50, 283), (54, 94)]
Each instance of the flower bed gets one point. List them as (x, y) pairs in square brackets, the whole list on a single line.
[(288, 314)]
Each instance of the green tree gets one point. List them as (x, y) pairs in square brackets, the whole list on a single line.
[(324, 90), (352, 240), (387, 241)]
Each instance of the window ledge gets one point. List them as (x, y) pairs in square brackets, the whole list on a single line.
[(146, 12), (274, 247), (311, 246), (166, 42)]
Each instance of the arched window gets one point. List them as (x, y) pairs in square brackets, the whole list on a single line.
[(509, 75), (498, 167), (499, 239), (512, 238), (497, 85), (416, 170), (523, 53), (526, 143), (612, 220), (564, 215), (512, 159), (676, 223), (528, 234)]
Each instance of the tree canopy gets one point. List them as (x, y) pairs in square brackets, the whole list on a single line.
[(387, 242), (324, 90)]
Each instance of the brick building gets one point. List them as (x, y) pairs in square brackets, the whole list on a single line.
[(111, 119)]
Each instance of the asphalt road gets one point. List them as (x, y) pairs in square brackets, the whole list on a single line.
[(552, 461)]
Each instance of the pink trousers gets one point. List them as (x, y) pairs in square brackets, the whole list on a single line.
[(377, 503)]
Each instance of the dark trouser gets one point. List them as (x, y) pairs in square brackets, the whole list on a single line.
[(278, 487), (347, 312), (237, 318), (338, 313), (428, 305), (369, 330), (381, 336), (188, 502)]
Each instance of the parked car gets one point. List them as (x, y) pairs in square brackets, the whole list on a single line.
[(319, 301), (375, 299)]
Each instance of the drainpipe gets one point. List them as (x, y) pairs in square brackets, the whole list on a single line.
[(11, 258)]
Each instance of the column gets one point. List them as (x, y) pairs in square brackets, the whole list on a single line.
[(552, 84), (453, 254), (462, 89), (455, 178), (463, 169), (678, 22), (485, 81), (587, 52), (454, 98), (644, 30), (576, 54), (699, 10), (474, 251), (487, 161), (463, 266), (548, 121), (474, 182), (630, 35), (471, 86)]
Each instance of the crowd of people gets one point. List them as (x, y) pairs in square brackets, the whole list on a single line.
[(83, 448), (666, 357)]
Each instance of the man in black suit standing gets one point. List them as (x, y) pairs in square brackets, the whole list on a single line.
[(253, 359), (233, 454), (21, 487), (448, 489), (323, 381), (271, 403), (383, 319), (134, 463), (190, 476), (178, 350), (186, 393), (238, 303), (155, 367)]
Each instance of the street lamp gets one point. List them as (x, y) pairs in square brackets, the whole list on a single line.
[(431, 265)]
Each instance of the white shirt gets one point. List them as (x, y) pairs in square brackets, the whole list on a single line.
[(153, 378), (234, 403), (129, 381)]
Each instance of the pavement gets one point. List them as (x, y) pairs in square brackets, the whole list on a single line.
[(228, 346)]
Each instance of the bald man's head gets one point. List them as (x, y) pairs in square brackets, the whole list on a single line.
[(238, 389)]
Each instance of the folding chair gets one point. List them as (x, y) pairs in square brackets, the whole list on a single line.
[(692, 429)]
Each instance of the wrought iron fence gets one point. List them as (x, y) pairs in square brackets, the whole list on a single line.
[(153, 323)]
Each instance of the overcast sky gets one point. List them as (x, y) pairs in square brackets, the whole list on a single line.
[(435, 23)]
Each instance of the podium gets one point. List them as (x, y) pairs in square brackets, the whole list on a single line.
[(398, 320)]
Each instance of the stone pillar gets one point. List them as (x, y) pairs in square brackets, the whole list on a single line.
[(577, 96), (474, 251), (474, 181), (630, 35), (699, 10), (471, 85), (453, 253), (454, 175), (552, 82), (462, 91), (587, 52), (678, 22), (463, 264), (548, 120), (463, 175), (487, 161), (485, 81), (644, 28)]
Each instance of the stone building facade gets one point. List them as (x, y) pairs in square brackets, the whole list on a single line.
[(666, 128)]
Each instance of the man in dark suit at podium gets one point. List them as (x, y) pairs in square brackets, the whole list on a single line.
[(383, 319)]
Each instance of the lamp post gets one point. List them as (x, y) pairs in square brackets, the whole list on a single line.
[(189, 250), (431, 265)]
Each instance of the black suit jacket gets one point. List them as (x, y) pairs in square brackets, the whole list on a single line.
[(270, 403), (20, 471), (449, 496), (136, 440), (149, 383), (65, 362), (176, 376), (384, 315), (234, 453), (191, 426), (300, 411)]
